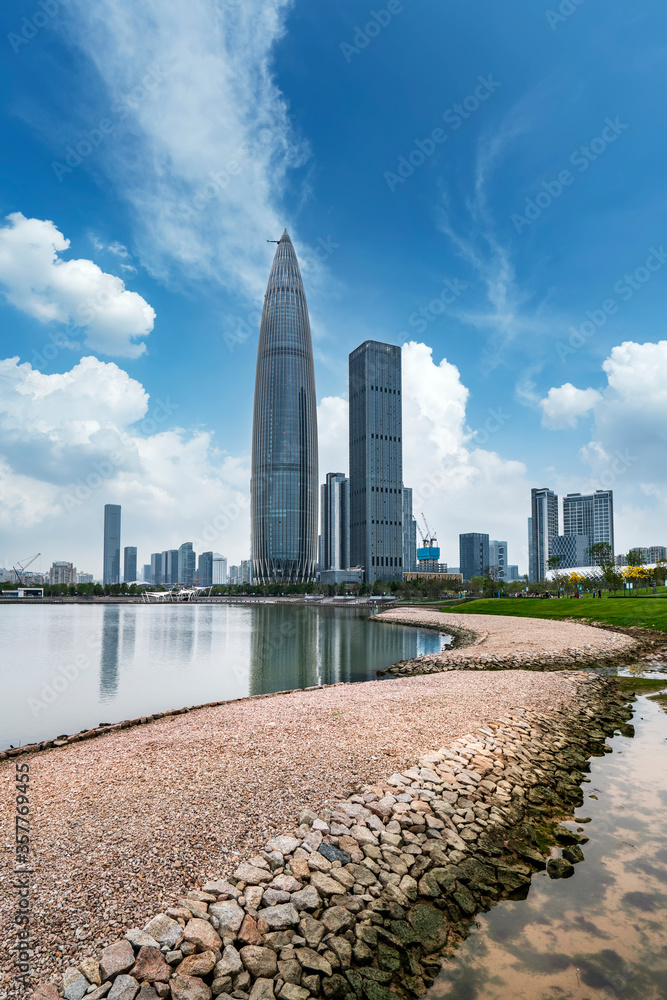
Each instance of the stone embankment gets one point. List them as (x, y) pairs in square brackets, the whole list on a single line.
[(359, 902), (495, 642)]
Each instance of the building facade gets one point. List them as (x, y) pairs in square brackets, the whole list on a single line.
[(592, 515), (284, 480), (409, 533), (498, 564), (157, 569), (187, 561), (473, 554), (219, 570), (376, 461), (335, 522), (205, 570), (111, 563), (130, 563), (62, 572), (544, 527), (572, 551)]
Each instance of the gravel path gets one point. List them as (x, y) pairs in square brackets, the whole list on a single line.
[(502, 635), (124, 823)]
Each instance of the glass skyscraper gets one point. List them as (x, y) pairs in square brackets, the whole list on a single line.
[(376, 461), (283, 488), (130, 563), (111, 563), (335, 517)]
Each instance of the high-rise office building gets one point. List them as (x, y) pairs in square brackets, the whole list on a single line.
[(170, 567), (335, 519), (130, 563), (205, 570), (111, 565), (498, 564), (245, 571), (219, 570), (591, 515), (409, 533), (530, 548), (376, 461), (157, 569), (146, 574), (186, 565), (284, 482), (544, 527), (473, 554)]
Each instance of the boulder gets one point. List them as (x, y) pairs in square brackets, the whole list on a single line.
[(164, 930), (325, 885), (262, 990), (229, 916), (124, 988), (91, 970), (306, 899), (150, 966), (199, 964), (280, 917), (229, 964), (200, 933), (337, 919), (189, 988), (251, 875), (260, 962), (560, 868), (311, 960), (45, 991), (74, 984), (286, 845), (117, 958), (138, 938)]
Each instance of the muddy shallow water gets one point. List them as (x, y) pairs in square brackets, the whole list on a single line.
[(603, 932)]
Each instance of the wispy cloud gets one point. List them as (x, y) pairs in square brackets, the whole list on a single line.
[(202, 158)]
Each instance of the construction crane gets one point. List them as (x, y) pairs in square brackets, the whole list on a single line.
[(23, 567), (429, 539)]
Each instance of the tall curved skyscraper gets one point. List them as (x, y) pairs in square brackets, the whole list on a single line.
[(283, 488)]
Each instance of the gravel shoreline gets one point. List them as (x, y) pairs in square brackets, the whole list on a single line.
[(143, 814), (493, 642)]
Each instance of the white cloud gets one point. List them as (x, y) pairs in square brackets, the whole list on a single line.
[(39, 282), (74, 441), (458, 484), (202, 138), (562, 407), (628, 443)]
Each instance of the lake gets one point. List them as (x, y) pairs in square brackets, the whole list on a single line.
[(601, 933), (70, 667)]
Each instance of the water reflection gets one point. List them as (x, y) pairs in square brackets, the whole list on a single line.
[(141, 659), (601, 933), (109, 653)]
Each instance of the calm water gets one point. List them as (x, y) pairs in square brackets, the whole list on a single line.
[(600, 933), (65, 669)]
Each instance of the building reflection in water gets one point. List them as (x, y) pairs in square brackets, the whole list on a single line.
[(109, 652), (283, 649)]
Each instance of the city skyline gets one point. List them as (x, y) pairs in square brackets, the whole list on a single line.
[(523, 339)]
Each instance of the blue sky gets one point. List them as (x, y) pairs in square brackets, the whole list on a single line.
[(498, 167)]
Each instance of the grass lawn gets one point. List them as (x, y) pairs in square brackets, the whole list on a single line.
[(646, 612)]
